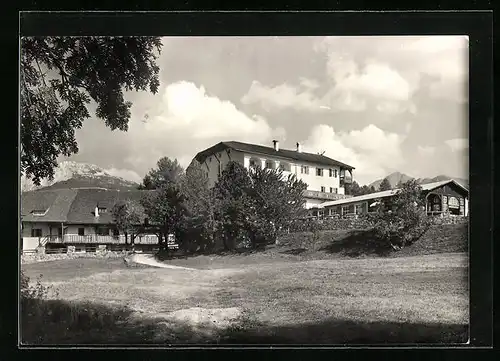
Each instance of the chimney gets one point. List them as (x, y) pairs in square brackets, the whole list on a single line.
[(96, 211), (276, 145), (299, 147)]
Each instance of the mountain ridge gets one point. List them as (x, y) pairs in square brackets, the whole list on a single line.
[(70, 174), (396, 177)]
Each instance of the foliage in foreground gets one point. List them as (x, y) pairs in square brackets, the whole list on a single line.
[(60, 76)]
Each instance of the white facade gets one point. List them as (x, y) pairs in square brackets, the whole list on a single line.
[(46, 229), (319, 178)]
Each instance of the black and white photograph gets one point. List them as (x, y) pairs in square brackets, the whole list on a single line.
[(223, 190)]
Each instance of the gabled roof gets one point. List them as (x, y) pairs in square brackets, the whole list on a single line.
[(434, 185), (260, 149), (56, 204), (74, 206), (372, 196)]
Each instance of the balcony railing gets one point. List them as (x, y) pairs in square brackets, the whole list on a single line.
[(97, 239), (325, 195)]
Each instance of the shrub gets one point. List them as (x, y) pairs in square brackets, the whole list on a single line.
[(33, 292), (401, 220)]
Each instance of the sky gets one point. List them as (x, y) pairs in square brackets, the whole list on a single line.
[(379, 104)]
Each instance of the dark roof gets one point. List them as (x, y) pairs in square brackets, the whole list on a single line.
[(260, 149), (389, 193), (75, 206), (55, 203)]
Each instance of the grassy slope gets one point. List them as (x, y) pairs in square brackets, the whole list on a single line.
[(416, 299)]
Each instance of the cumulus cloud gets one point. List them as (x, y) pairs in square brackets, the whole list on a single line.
[(283, 96), (373, 152), (184, 119), (126, 174), (350, 86), (426, 151), (457, 144)]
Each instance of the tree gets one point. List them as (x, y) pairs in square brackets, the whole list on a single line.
[(234, 206), (253, 206), (128, 216), (60, 76), (165, 209), (352, 189), (278, 200), (199, 226), (167, 171), (385, 185), (401, 219), (355, 189)]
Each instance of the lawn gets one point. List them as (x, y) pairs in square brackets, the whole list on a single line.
[(260, 298)]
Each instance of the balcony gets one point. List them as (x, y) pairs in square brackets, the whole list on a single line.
[(97, 239), (324, 195), (344, 180)]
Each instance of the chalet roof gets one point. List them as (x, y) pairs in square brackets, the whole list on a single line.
[(377, 195), (74, 206), (260, 149)]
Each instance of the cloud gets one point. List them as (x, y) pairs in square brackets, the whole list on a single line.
[(375, 79), (350, 87), (426, 151), (457, 144), (438, 43), (373, 152), (284, 96), (309, 83), (126, 174), (184, 119)]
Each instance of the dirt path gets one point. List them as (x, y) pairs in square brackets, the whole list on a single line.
[(151, 261)]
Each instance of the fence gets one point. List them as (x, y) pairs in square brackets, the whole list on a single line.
[(96, 239)]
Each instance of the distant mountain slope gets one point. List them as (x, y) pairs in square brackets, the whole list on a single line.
[(79, 175), (396, 177)]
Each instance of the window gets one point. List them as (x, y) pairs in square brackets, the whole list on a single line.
[(284, 166), (319, 172), (334, 190), (322, 189), (255, 163), (304, 169), (335, 173), (269, 164), (101, 209), (331, 190), (36, 232), (103, 231), (81, 231), (359, 209)]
